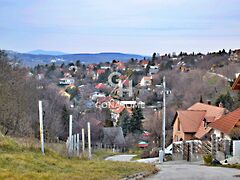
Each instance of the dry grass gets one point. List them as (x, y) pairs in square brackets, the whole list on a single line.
[(20, 162)]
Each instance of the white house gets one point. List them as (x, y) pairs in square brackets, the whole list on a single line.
[(66, 81), (146, 81), (153, 70), (96, 95)]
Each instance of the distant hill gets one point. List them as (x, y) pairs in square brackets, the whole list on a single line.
[(43, 52), (33, 59)]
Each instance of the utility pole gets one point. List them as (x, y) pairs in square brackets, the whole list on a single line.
[(164, 115), (41, 125)]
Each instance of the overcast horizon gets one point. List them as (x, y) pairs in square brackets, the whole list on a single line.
[(136, 26)]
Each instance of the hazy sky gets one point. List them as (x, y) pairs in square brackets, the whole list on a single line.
[(130, 26)]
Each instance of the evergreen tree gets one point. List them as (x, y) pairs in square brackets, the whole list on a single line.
[(147, 68), (227, 101), (65, 119), (78, 63), (136, 121), (153, 59), (125, 122)]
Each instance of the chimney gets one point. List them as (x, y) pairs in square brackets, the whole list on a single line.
[(220, 104), (209, 102)]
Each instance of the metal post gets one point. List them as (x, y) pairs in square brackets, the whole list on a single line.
[(83, 141), (89, 141), (41, 125), (164, 115)]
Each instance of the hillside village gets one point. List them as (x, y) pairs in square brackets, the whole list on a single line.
[(123, 102), (84, 91)]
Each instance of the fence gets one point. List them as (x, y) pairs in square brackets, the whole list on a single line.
[(193, 150), (75, 146)]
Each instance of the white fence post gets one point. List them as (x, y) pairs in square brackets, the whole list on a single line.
[(41, 125), (77, 144), (70, 135), (89, 142), (83, 141)]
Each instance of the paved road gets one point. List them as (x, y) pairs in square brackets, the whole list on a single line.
[(127, 158), (120, 158), (192, 171)]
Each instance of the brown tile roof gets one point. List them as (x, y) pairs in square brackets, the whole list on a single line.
[(147, 78), (227, 122), (210, 119), (202, 131), (211, 111), (190, 120)]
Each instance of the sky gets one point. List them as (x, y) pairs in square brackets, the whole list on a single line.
[(128, 26)]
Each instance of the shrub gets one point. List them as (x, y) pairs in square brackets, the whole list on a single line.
[(145, 154), (207, 158)]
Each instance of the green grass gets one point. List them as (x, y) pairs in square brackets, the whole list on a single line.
[(212, 81), (20, 162)]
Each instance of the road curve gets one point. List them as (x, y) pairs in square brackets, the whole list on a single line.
[(188, 171)]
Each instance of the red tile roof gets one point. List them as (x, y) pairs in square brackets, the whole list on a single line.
[(100, 86), (100, 71), (202, 130), (212, 111), (143, 62), (226, 123), (121, 67), (190, 120)]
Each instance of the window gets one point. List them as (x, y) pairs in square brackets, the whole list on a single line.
[(222, 135)]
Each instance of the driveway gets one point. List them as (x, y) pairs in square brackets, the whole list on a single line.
[(193, 171)]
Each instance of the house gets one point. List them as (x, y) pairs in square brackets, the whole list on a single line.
[(116, 109), (193, 123), (224, 125), (235, 55), (105, 67), (153, 70), (66, 81), (160, 88), (40, 76), (146, 81), (99, 72), (96, 95), (144, 63), (100, 86), (121, 68)]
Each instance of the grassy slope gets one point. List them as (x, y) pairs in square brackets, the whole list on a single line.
[(18, 162)]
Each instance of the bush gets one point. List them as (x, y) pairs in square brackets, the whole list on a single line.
[(207, 158), (145, 154)]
